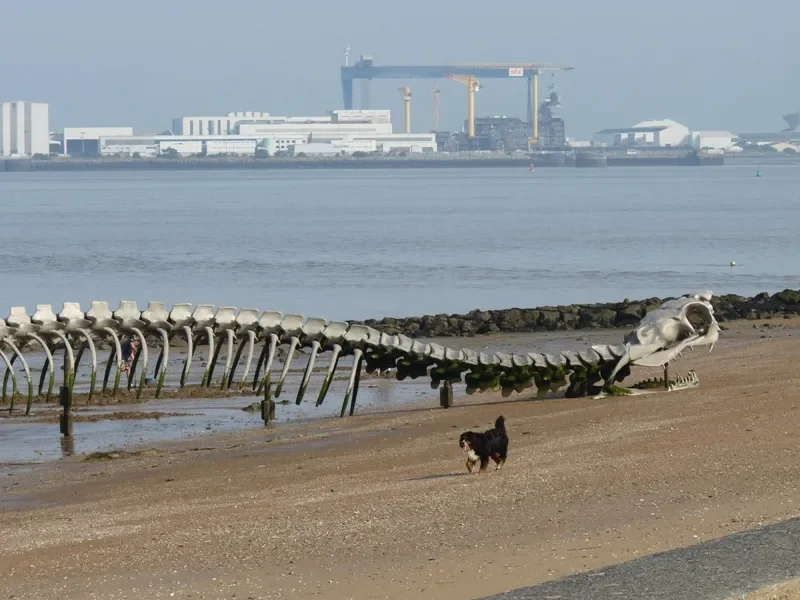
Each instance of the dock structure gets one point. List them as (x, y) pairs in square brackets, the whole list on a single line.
[(366, 70)]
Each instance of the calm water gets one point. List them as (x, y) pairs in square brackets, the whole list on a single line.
[(350, 244)]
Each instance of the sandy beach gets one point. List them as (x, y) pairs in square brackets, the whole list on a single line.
[(381, 505)]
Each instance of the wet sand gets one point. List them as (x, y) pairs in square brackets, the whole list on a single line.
[(381, 505)]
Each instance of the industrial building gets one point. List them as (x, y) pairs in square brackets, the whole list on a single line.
[(85, 141), (341, 131), (212, 125), (184, 145), (713, 140), (232, 122), (659, 133), (24, 128)]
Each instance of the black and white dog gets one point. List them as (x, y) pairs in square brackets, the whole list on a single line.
[(483, 446)]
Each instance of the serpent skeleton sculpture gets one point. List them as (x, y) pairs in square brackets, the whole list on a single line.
[(660, 337)]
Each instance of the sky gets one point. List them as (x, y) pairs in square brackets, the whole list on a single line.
[(710, 64)]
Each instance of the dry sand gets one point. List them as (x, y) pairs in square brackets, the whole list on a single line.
[(786, 591), (381, 505)]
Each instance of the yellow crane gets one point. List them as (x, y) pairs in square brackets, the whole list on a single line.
[(473, 85), (405, 92), (535, 69), (436, 91)]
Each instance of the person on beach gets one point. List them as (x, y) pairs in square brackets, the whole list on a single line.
[(129, 350)]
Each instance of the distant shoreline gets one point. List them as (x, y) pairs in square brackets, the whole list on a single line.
[(555, 159)]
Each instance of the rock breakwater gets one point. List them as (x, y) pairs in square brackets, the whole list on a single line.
[(730, 307)]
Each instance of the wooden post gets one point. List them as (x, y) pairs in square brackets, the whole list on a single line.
[(66, 417), (446, 395), (267, 405)]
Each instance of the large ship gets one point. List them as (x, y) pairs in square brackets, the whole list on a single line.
[(793, 121)]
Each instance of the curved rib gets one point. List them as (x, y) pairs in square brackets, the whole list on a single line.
[(69, 357), (93, 352), (7, 375), (187, 365), (355, 386), (251, 344), (357, 356), (289, 355), (337, 349), (307, 374), (116, 354), (9, 369), (213, 365), (210, 363), (228, 359), (27, 374), (273, 346), (143, 378), (165, 355), (51, 365)]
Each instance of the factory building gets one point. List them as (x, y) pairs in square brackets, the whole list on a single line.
[(713, 140), (212, 125), (660, 133), (230, 123), (24, 128), (85, 141), (129, 146), (184, 145), (342, 131), (304, 130), (336, 147)]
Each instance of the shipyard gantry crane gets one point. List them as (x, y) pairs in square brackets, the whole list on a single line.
[(366, 70), (405, 92), (436, 91), (473, 85)]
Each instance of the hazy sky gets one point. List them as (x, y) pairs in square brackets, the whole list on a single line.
[(711, 64)]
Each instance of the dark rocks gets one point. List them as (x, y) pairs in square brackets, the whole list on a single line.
[(624, 314)]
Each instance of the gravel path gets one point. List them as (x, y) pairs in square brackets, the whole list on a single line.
[(715, 570)]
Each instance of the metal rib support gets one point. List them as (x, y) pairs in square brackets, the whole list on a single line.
[(355, 387), (93, 352), (187, 365), (27, 374), (289, 355), (49, 359), (7, 375), (48, 368), (307, 375), (9, 369), (228, 359), (337, 349), (165, 356), (143, 378), (251, 345), (69, 360), (210, 364), (116, 353), (357, 356), (272, 348)]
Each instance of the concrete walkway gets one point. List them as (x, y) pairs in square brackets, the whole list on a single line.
[(715, 570)]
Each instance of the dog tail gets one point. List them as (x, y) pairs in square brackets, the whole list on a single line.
[(500, 423)]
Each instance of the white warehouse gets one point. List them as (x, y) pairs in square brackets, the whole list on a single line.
[(713, 140), (85, 141), (661, 133), (231, 123), (24, 128)]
